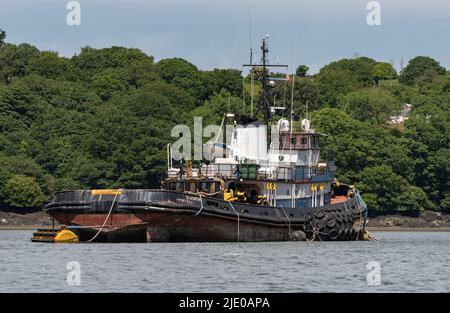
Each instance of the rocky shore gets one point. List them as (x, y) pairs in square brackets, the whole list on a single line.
[(425, 220), (15, 220)]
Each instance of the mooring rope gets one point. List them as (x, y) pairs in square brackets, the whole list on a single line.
[(362, 204), (107, 217), (288, 219), (237, 219), (360, 217), (201, 204), (316, 232)]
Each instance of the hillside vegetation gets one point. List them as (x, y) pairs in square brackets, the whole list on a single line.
[(102, 119)]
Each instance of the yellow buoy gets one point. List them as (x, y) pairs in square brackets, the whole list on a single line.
[(65, 235)]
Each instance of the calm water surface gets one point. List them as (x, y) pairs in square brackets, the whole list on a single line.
[(410, 262)]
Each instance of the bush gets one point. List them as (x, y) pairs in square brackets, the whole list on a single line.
[(23, 192), (417, 67)]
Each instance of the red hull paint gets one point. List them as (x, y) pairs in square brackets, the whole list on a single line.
[(164, 227), (173, 227), (92, 219)]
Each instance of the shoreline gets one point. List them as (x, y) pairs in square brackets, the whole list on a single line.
[(370, 229)]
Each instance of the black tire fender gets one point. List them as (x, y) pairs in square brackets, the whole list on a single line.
[(319, 214), (331, 222), (333, 234)]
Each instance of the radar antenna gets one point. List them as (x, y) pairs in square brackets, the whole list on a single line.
[(262, 74)]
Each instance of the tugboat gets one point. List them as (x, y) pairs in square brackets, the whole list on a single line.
[(267, 184)]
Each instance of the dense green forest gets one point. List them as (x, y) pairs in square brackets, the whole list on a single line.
[(103, 117)]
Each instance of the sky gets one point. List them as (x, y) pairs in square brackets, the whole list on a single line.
[(217, 33)]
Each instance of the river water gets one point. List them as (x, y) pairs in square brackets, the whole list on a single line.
[(408, 262)]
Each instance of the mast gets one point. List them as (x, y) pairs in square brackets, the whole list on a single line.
[(263, 77)]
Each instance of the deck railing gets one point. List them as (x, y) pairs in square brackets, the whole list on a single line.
[(256, 172)]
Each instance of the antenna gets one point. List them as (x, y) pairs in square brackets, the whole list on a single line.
[(243, 93), (263, 76), (306, 115), (292, 112), (251, 92), (250, 32)]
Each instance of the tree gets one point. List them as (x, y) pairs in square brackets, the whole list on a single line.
[(49, 64), (417, 67), (217, 80), (428, 129), (383, 71), (348, 141), (428, 79), (305, 90), (15, 59), (182, 74), (360, 68), (92, 60), (213, 109), (388, 192), (179, 98), (23, 192), (446, 83), (370, 104), (108, 83), (437, 175), (2, 37), (333, 83), (302, 70)]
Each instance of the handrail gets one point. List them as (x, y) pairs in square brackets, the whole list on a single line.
[(263, 172)]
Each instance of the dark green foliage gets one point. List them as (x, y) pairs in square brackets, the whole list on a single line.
[(23, 192), (417, 67), (333, 83), (388, 192), (50, 65), (2, 37), (302, 70), (429, 132), (182, 74), (14, 60), (103, 119), (220, 79), (383, 71), (397, 171), (370, 105)]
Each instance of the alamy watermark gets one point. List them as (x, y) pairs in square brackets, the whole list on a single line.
[(373, 277), (73, 278), (374, 15), (251, 141), (73, 17)]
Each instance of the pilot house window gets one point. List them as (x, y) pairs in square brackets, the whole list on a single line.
[(315, 142)]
